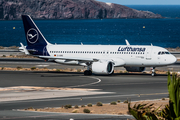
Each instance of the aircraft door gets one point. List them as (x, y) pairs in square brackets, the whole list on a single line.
[(148, 54), (45, 52)]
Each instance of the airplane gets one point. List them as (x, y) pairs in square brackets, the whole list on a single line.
[(99, 59)]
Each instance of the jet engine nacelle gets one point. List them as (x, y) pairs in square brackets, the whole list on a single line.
[(103, 67), (135, 69)]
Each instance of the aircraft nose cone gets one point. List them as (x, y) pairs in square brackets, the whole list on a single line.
[(173, 59)]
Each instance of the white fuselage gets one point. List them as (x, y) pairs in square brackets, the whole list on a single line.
[(141, 56)]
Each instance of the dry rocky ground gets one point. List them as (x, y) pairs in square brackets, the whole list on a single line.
[(177, 49), (70, 70), (119, 109)]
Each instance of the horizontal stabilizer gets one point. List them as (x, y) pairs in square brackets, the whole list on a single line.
[(23, 49)]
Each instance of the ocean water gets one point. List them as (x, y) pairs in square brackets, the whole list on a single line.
[(159, 32)]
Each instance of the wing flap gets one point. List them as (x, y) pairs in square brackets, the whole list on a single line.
[(69, 59)]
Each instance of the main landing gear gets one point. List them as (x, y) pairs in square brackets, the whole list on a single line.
[(88, 72), (153, 71)]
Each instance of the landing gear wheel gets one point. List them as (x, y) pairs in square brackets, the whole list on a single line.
[(152, 74), (153, 71), (88, 72), (112, 73)]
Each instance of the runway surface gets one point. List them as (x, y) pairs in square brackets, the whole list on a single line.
[(108, 89), (105, 89), (39, 63)]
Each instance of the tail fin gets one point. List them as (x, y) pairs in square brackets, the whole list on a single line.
[(36, 42), (34, 36)]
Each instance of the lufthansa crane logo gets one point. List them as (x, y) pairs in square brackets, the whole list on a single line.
[(32, 35)]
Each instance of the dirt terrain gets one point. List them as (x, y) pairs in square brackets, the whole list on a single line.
[(119, 109)]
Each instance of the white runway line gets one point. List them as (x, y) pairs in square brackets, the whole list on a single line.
[(99, 80)]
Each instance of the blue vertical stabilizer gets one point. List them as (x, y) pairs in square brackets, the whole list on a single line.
[(36, 42)]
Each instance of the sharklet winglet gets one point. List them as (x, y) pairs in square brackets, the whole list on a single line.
[(127, 43)]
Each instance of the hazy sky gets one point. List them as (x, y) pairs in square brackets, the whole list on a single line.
[(144, 2)]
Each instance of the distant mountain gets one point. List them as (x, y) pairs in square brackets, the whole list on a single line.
[(68, 9)]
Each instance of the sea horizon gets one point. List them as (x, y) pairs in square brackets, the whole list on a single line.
[(159, 32)]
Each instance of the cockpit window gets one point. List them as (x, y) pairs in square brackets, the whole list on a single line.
[(163, 52), (167, 52)]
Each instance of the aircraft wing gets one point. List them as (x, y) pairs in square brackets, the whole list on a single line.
[(117, 61), (70, 58)]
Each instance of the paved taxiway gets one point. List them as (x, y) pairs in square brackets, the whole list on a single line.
[(39, 63), (113, 88), (110, 88)]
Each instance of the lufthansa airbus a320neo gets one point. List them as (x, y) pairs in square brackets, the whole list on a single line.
[(99, 59)]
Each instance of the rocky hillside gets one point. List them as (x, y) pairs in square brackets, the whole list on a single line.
[(68, 9)]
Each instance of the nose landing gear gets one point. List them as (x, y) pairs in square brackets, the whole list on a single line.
[(153, 71)]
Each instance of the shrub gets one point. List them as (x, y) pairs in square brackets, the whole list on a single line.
[(113, 103), (82, 105), (4, 56), (2, 68), (75, 111), (143, 111), (89, 105), (118, 101), (172, 111), (58, 70), (126, 101), (76, 106), (68, 106), (19, 67), (144, 72), (99, 104), (78, 70), (126, 72), (163, 98), (30, 108), (86, 111), (33, 68)]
